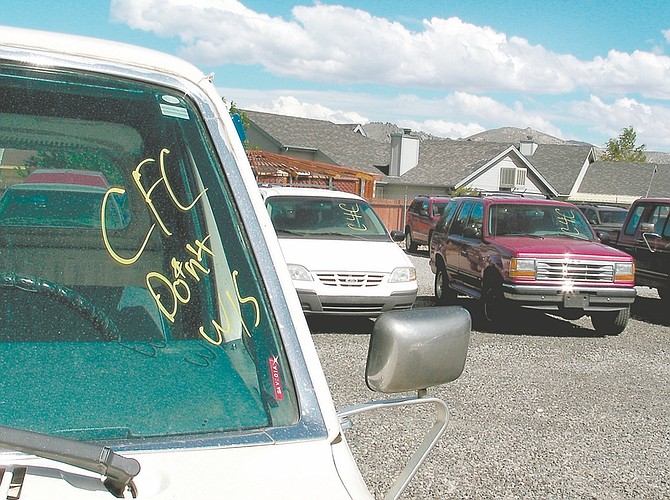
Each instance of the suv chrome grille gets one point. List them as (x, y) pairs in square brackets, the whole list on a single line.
[(575, 270), (350, 279)]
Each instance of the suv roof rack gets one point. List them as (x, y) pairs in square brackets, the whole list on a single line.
[(513, 194)]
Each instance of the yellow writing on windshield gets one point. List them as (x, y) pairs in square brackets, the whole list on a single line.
[(567, 221), (354, 217)]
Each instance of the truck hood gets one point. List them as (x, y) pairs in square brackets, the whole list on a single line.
[(560, 248), (344, 255)]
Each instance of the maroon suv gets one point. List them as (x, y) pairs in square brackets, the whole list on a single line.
[(534, 253), (422, 216)]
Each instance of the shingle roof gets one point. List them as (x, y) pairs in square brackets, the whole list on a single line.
[(446, 161), (337, 142), (443, 162), (627, 179), (560, 164)]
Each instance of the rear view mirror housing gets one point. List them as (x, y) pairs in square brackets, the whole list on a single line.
[(418, 348)]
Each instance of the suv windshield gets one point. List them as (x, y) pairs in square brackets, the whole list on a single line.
[(313, 217), (130, 303), (537, 220)]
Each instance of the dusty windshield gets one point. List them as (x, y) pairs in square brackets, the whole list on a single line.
[(130, 305), (541, 220), (316, 217)]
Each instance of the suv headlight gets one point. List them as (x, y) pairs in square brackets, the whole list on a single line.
[(402, 275), (299, 273), (522, 268), (624, 271)]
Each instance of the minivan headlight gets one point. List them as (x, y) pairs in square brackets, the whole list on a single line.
[(403, 275), (299, 273)]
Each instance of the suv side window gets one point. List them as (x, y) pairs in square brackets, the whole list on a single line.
[(447, 216), (461, 219), (477, 216)]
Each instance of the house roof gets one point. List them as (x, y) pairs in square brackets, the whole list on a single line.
[(561, 164), (339, 143), (442, 162), (627, 179), (447, 161)]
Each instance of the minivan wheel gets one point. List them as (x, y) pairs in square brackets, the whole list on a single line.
[(610, 323), (443, 294), (410, 244)]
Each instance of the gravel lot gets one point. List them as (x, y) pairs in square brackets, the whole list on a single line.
[(545, 410)]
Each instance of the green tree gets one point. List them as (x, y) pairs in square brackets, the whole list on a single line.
[(239, 118), (624, 149)]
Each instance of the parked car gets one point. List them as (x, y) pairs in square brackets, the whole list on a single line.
[(533, 253), (340, 255), (76, 204), (167, 357), (422, 216), (604, 219), (646, 236)]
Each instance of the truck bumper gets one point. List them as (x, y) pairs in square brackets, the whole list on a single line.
[(588, 299)]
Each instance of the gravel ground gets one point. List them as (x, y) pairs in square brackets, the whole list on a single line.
[(547, 409)]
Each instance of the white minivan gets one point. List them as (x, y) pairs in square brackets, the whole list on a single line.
[(340, 256), (164, 354)]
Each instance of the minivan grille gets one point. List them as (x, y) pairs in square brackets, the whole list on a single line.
[(574, 270), (357, 280)]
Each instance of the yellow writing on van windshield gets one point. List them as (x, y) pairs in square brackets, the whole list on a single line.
[(354, 216)]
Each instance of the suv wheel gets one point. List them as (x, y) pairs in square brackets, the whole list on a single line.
[(443, 294), (410, 244), (610, 323), (493, 301)]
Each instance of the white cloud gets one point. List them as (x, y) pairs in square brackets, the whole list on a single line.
[(340, 44), (289, 105), (650, 122)]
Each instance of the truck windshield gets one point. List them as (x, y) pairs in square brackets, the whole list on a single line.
[(130, 304)]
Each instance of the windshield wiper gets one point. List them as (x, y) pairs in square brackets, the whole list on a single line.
[(118, 470)]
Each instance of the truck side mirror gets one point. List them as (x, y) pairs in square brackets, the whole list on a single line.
[(418, 348), (647, 227)]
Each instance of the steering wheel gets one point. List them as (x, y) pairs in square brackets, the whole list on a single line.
[(72, 299)]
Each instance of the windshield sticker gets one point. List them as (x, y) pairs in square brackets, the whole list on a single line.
[(273, 363), (567, 221), (174, 111), (353, 215)]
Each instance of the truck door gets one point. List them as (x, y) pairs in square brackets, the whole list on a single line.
[(652, 248)]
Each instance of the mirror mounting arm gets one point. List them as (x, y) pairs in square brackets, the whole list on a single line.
[(429, 441)]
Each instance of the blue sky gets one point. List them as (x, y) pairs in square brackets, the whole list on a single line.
[(581, 70)]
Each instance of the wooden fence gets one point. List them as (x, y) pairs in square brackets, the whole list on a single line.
[(391, 212)]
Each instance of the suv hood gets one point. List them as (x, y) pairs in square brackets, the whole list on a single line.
[(344, 255), (559, 247)]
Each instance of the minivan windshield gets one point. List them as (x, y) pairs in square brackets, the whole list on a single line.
[(131, 306), (325, 217)]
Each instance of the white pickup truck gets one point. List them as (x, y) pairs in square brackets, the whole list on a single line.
[(153, 345)]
